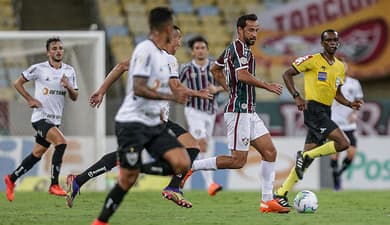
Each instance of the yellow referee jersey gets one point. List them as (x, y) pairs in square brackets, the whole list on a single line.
[(321, 80)]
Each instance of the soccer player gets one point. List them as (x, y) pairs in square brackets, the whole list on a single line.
[(159, 167), (345, 118), (244, 127), (323, 77), (53, 80), (138, 122), (200, 113)]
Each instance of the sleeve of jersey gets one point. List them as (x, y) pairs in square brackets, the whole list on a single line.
[(220, 60), (73, 80), (183, 72), (173, 67), (240, 61), (30, 73), (142, 63), (359, 93), (302, 64)]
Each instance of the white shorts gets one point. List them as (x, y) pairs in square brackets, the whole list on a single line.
[(242, 128), (200, 124)]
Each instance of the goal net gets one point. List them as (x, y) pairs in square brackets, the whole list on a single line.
[(83, 126)]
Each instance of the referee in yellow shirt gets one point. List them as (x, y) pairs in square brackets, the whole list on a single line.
[(323, 76)]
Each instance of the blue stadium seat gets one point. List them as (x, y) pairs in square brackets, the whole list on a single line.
[(208, 11), (116, 30)]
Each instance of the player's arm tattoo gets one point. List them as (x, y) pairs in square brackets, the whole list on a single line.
[(141, 89)]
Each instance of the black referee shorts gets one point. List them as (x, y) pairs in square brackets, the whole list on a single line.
[(318, 121)]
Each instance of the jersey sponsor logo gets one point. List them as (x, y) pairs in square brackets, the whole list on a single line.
[(322, 76), (322, 130), (300, 60), (45, 91)]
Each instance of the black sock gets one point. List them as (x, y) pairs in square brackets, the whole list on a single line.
[(25, 166), (112, 202), (344, 166), (176, 179), (157, 168), (334, 165), (106, 163), (56, 162)]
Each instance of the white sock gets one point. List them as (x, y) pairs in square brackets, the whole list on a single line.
[(207, 175), (205, 164), (268, 178)]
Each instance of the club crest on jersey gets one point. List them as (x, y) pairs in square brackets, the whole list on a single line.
[(193, 75), (244, 106), (243, 60), (245, 141), (322, 76)]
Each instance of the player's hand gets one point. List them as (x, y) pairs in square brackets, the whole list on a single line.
[(64, 81), (34, 103), (212, 89), (96, 99), (357, 104), (206, 94), (275, 88), (301, 103)]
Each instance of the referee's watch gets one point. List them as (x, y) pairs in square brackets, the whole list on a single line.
[(296, 94)]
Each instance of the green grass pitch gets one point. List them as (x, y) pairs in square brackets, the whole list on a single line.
[(227, 208)]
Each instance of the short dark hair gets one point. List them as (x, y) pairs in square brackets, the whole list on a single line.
[(327, 31), (241, 22), (50, 40), (158, 17), (195, 39)]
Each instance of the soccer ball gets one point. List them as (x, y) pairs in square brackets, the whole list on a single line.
[(306, 202)]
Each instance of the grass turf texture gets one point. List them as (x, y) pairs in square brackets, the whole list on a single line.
[(227, 208)]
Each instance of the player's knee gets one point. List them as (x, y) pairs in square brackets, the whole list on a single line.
[(269, 155), (128, 179), (182, 166), (341, 146), (238, 163)]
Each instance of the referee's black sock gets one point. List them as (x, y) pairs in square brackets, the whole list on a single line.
[(176, 180), (113, 200), (25, 166), (56, 162), (106, 163)]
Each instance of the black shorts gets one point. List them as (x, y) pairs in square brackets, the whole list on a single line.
[(317, 119), (133, 137), (42, 127), (351, 136), (176, 128)]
